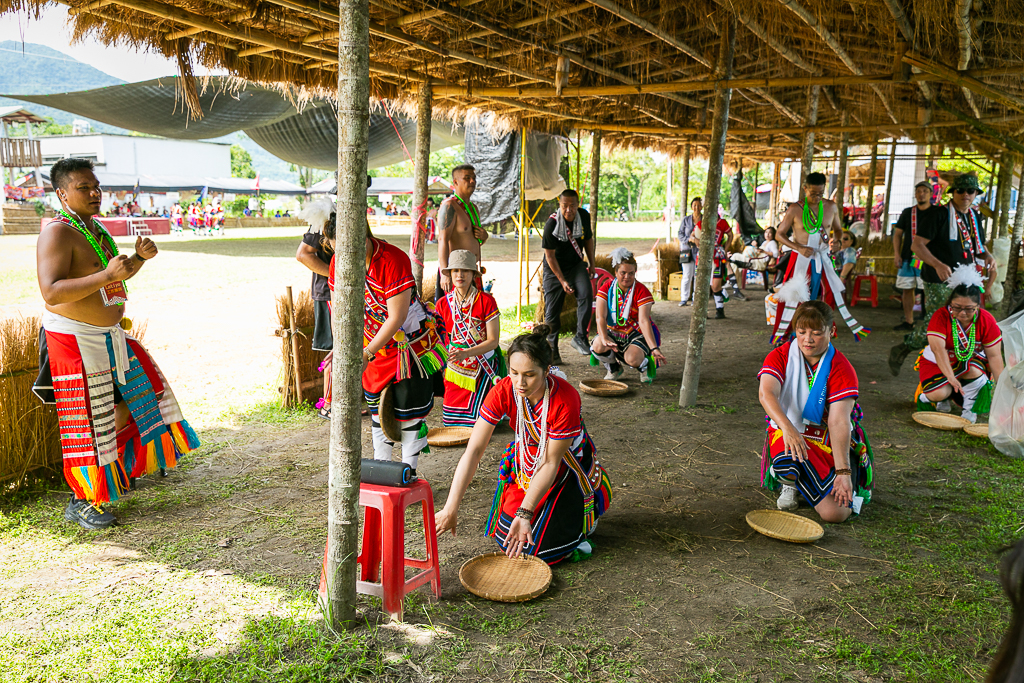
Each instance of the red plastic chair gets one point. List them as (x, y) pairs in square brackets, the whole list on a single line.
[(855, 294), (383, 561)]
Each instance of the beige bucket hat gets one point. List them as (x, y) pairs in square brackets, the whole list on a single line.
[(462, 260)]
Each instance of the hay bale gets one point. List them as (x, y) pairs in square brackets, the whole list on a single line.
[(309, 360), (29, 439)]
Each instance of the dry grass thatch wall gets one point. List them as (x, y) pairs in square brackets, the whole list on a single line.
[(29, 438), (309, 360)]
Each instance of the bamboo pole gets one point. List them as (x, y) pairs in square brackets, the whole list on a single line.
[(579, 180), (980, 126), (1010, 281), (869, 201), (685, 179), (645, 25), (702, 278), (773, 200), (844, 154), (671, 213), (419, 189), (350, 254), (595, 178), (1006, 164), (293, 333), (888, 188)]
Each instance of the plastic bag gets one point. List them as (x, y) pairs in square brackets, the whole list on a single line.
[(1006, 417)]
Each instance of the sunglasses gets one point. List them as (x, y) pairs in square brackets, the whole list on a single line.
[(965, 191)]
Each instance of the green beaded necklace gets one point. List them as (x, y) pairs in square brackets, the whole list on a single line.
[(963, 350), (810, 226), (77, 224)]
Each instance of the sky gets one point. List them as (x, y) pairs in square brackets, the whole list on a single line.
[(121, 62)]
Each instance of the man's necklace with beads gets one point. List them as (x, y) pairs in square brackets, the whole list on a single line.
[(809, 224), (76, 223)]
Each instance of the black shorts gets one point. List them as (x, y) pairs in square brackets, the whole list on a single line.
[(323, 339)]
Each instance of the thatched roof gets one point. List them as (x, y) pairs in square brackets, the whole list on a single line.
[(643, 72)]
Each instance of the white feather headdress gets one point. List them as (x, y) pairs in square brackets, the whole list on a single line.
[(965, 274), (317, 213), (619, 255)]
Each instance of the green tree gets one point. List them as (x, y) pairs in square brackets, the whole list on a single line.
[(241, 163), (633, 170)]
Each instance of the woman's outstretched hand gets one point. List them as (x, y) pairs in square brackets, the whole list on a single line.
[(444, 520)]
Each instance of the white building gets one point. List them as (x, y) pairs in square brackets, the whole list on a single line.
[(139, 155)]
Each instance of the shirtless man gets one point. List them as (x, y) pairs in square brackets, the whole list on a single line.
[(88, 364), (458, 227), (816, 225), (822, 214)]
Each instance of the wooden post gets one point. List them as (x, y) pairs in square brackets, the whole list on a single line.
[(806, 162), (595, 177), (578, 186), (420, 182), (844, 154), (684, 178), (702, 278), (671, 213), (1007, 162), (888, 188), (773, 199), (872, 175), (1010, 281), (350, 255), (295, 350)]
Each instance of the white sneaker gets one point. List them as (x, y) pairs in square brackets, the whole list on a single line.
[(615, 374), (645, 378), (969, 416), (943, 406), (788, 501)]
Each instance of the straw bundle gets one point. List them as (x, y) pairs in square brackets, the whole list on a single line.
[(309, 360), (28, 429)]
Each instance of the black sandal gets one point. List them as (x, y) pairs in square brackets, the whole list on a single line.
[(325, 413)]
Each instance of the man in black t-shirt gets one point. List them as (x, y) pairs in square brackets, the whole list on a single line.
[(956, 237), (908, 274), (567, 238)]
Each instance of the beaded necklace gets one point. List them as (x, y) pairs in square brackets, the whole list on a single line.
[(963, 343), (810, 225), (76, 222), (620, 313), (526, 463)]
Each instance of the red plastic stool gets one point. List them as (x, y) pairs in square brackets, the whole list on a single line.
[(856, 295), (383, 561)]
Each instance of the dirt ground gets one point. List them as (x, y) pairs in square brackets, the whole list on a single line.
[(679, 587)]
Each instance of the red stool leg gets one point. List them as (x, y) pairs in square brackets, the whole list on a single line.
[(370, 558), (431, 538), (393, 570), (874, 292)]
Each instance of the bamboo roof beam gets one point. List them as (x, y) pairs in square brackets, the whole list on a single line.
[(992, 134), (831, 41), (769, 40), (642, 23), (402, 37), (541, 110), (963, 32), (968, 83), (534, 21), (708, 85), (426, 14)]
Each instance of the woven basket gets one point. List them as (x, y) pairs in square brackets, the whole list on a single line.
[(978, 430), (603, 387), (496, 577), (943, 421), (447, 437), (785, 526), (386, 414)]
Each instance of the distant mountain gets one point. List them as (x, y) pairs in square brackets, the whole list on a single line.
[(32, 69)]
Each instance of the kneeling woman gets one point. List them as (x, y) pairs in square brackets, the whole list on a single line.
[(551, 489), (400, 346), (815, 444), (964, 350), (625, 333), (470, 327)]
